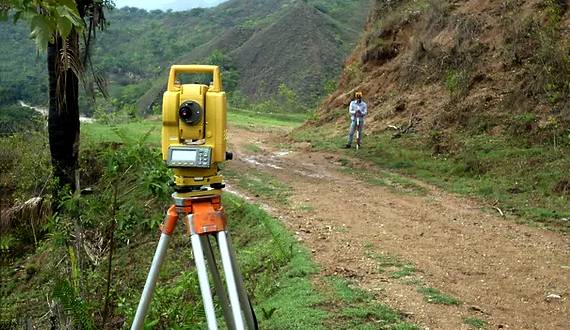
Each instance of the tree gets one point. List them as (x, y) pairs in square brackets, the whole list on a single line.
[(57, 26), (230, 75)]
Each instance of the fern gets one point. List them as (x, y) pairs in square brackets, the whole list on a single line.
[(72, 304)]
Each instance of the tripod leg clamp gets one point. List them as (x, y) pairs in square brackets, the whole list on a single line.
[(167, 226), (208, 217)]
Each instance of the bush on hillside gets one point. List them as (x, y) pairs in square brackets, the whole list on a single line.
[(25, 183), (15, 118), (126, 187)]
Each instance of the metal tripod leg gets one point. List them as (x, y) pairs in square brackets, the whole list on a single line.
[(218, 284), (230, 279), (203, 279), (246, 307), (150, 282), (238, 301)]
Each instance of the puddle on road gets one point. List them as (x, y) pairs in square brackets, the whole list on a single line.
[(281, 153), (252, 160)]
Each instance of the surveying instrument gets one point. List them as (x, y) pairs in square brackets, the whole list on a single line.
[(194, 145)]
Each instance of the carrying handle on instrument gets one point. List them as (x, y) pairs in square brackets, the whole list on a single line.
[(213, 69)]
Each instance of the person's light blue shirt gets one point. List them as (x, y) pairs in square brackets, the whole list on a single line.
[(355, 107)]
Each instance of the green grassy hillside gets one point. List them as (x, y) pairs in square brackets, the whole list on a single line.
[(303, 48)]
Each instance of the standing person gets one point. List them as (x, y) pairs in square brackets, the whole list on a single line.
[(357, 110)]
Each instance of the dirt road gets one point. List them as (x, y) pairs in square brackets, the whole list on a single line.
[(397, 244)]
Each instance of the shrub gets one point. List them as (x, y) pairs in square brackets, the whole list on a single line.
[(457, 83), (15, 118), (536, 44), (380, 51)]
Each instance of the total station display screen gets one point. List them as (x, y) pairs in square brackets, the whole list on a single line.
[(186, 156), (183, 155)]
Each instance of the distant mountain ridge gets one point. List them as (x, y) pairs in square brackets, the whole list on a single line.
[(297, 43), (176, 5), (268, 42), (300, 49)]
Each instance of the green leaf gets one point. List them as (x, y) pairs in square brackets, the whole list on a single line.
[(64, 26), (71, 14), (42, 31), (151, 324), (68, 3)]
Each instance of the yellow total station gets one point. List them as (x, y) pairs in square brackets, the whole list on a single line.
[(194, 129)]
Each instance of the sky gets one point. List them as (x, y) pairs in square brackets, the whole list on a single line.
[(167, 4)]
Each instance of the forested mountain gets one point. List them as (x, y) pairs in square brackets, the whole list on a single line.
[(260, 44), (23, 72)]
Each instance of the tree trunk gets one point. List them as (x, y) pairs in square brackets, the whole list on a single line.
[(63, 117)]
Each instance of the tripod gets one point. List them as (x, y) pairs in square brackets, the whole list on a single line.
[(204, 217)]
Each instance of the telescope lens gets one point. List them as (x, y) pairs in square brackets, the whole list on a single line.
[(190, 112)]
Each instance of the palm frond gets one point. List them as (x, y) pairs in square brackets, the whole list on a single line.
[(101, 82), (70, 60), (95, 20)]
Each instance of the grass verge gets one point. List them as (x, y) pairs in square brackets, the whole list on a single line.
[(362, 311), (277, 269), (253, 120), (119, 133), (475, 322), (260, 184)]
